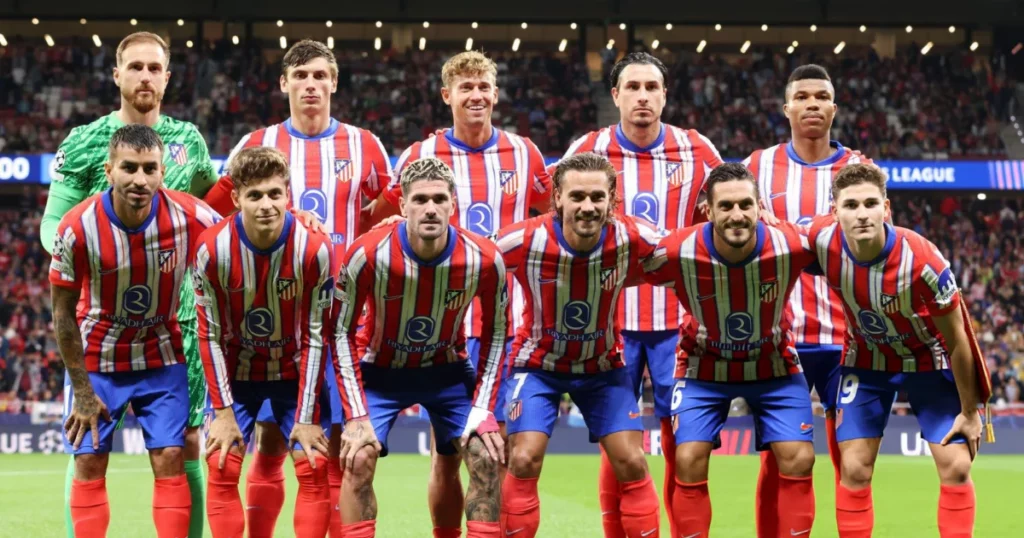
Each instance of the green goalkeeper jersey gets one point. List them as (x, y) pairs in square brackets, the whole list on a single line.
[(78, 173)]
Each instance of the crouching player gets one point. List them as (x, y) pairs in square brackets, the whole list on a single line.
[(417, 279), (907, 331), (264, 287), (734, 276)]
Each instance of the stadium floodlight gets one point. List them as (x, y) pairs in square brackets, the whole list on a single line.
[(952, 29), (284, 42), (475, 25), (330, 42), (329, 24), (376, 43), (49, 40), (181, 22), (379, 24), (974, 46), (280, 23), (234, 40), (839, 48), (562, 45), (863, 28), (790, 49), (927, 47), (35, 20), (764, 27), (469, 44), (718, 27), (655, 44), (96, 40), (796, 44), (611, 43), (423, 43), (1017, 48), (3, 41), (524, 26), (982, 196), (132, 22), (515, 45), (622, 26), (745, 47), (668, 26), (83, 21), (814, 27), (700, 46), (572, 25), (910, 28), (189, 43), (426, 24)]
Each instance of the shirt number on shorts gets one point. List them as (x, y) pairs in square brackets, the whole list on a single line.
[(848, 388), (677, 394), (520, 379)]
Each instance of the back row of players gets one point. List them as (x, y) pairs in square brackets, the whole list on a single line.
[(714, 311)]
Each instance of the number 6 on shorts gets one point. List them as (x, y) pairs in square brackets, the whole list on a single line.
[(848, 388), (677, 394)]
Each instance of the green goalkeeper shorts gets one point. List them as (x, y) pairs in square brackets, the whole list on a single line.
[(196, 378)]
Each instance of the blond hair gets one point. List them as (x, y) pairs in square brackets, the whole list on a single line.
[(467, 64), (142, 37), (253, 165), (428, 169)]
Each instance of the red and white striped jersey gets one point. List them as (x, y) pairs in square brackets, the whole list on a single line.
[(797, 191), (659, 183), (262, 312), (735, 329), (415, 309), (495, 185), (889, 301), (130, 278), (329, 172), (569, 321)]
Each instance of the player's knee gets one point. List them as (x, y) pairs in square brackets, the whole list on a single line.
[(796, 460), (692, 462), (167, 461), (481, 466), (629, 466), (192, 437), (364, 467), (90, 466), (524, 462), (956, 471), (856, 469), (445, 467)]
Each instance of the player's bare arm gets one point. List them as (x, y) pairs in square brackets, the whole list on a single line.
[(224, 434), (88, 409), (961, 360)]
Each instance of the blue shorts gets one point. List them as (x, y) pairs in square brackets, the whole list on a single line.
[(657, 351), (781, 408), (821, 369), (606, 400), (866, 396), (159, 399), (473, 354), (445, 391), (329, 406), (279, 398)]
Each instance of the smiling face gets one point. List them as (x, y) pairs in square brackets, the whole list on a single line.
[(472, 97), (810, 107), (582, 201), (263, 204), (733, 211)]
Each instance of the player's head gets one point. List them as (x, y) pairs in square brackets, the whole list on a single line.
[(135, 165), (733, 204), (261, 192), (470, 87), (428, 197), (584, 194), (638, 88), (810, 101), (309, 75), (141, 70), (859, 201)]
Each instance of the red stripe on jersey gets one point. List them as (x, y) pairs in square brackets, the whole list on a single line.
[(660, 184), (797, 191), (889, 304)]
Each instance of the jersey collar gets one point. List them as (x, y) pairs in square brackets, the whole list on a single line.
[(890, 242), (286, 231), (828, 161), (332, 128), (118, 123), (449, 135), (403, 239), (709, 241), (630, 146), (108, 208), (565, 244)]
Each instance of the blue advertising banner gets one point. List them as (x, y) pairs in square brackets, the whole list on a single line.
[(903, 175)]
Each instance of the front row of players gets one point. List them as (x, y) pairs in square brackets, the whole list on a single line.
[(267, 289)]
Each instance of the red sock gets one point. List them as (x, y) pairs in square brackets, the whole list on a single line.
[(833, 446), (223, 505), (956, 511), (313, 502), (90, 510), (766, 500), (172, 505), (691, 509), (855, 512), (334, 475), (668, 449), (797, 513), (363, 529), (264, 494), (445, 532), (640, 515), (481, 529), (609, 495), (520, 506)]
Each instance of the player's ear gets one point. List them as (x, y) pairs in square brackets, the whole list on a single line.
[(284, 84), (446, 95), (117, 77), (108, 170), (401, 205), (234, 198)]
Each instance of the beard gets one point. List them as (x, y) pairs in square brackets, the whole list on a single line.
[(723, 232), (143, 103)]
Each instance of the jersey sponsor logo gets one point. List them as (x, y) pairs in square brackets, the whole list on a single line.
[(168, 260), (137, 299), (454, 299), (178, 153), (739, 326), (315, 201), (324, 296), (337, 239), (343, 170), (576, 315), (769, 291), (509, 181), (645, 205), (890, 303), (419, 329), (674, 173), (872, 322), (480, 219), (286, 288), (609, 278), (259, 322)]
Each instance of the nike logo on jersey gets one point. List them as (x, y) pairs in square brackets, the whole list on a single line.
[(517, 531), (776, 195), (392, 297), (704, 297), (794, 533), (648, 533), (547, 280), (692, 535), (108, 271)]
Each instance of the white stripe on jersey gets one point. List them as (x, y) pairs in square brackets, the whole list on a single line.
[(214, 328), (346, 361)]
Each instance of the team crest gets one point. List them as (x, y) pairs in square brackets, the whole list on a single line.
[(890, 304), (454, 299), (168, 260), (514, 410), (286, 288), (609, 278), (769, 291), (178, 153), (509, 181), (674, 173), (343, 170)]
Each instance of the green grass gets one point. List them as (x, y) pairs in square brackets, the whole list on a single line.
[(905, 491)]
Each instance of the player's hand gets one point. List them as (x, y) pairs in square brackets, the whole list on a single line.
[(310, 437), (438, 132), (482, 422), (388, 221), (968, 424), (310, 220), (702, 206), (224, 434), (357, 434), (86, 414), (768, 218)]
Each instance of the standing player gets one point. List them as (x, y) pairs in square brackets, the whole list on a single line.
[(264, 287), (141, 74), (795, 181), (417, 279), (499, 177), (663, 169), (735, 274), (907, 330), (333, 166), (119, 258), (575, 262)]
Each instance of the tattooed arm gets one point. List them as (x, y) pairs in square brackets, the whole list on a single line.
[(87, 409)]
